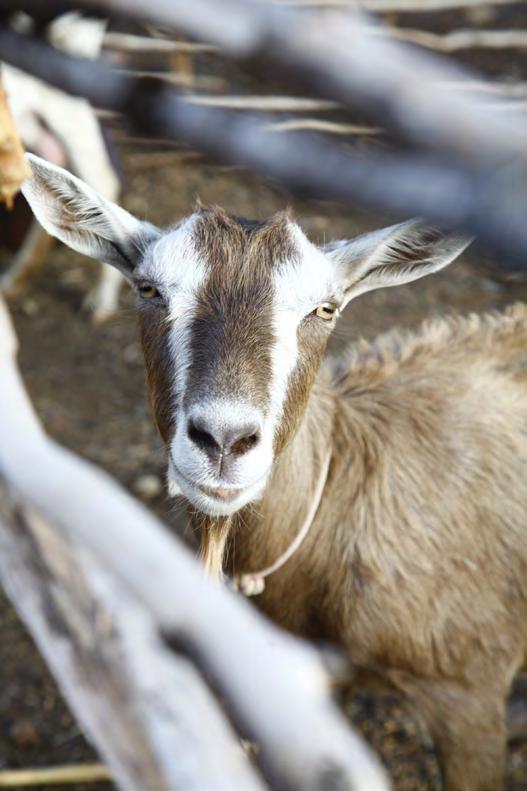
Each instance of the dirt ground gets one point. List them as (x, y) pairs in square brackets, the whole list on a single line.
[(88, 386)]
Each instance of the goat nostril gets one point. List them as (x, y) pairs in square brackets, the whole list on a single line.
[(202, 438), (225, 441), (244, 444)]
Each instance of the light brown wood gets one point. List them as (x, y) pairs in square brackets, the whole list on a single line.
[(457, 40), (398, 6), (55, 775), (14, 169)]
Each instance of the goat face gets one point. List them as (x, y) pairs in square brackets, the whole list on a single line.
[(235, 316)]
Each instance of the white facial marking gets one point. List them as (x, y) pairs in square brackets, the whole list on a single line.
[(299, 287), (175, 268)]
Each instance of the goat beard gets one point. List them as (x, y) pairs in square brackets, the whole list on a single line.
[(214, 534)]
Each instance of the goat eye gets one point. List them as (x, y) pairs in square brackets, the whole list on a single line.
[(326, 311), (147, 291)]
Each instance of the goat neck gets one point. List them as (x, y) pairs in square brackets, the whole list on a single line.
[(255, 536)]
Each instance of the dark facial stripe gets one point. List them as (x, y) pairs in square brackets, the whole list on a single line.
[(312, 338), (232, 333), (159, 366)]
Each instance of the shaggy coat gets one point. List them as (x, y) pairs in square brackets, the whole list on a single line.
[(416, 563)]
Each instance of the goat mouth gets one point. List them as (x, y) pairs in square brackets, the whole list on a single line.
[(221, 499), (221, 492), (224, 493)]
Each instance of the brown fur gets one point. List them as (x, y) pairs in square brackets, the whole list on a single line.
[(159, 368), (417, 561), (231, 332), (312, 339)]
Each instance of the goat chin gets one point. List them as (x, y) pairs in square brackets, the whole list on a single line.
[(207, 503)]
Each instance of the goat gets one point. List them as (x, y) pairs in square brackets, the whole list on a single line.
[(416, 559), (63, 129)]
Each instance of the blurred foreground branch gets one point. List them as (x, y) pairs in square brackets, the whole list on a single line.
[(457, 40), (397, 6), (138, 638), (341, 56), (54, 776), (477, 197), (346, 57)]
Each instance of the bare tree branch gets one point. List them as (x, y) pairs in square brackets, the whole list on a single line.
[(409, 97), (123, 686), (398, 5), (457, 40), (343, 57), (487, 203), (320, 125), (55, 775), (126, 577), (293, 104), (267, 104), (127, 42)]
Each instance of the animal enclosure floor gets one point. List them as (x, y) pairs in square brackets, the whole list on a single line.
[(88, 386)]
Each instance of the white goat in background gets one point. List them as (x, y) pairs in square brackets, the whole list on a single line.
[(65, 131)]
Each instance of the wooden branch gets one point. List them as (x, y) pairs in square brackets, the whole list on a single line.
[(267, 104), (54, 775), (293, 104), (510, 90), (325, 127), (123, 686), (149, 713), (127, 42), (396, 86), (14, 169), (206, 83), (457, 40), (450, 193), (296, 104), (43, 8), (511, 107), (87, 604), (398, 6)]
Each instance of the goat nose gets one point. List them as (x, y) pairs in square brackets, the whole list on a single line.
[(228, 440)]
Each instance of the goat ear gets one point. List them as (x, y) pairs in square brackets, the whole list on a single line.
[(81, 218), (393, 256)]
